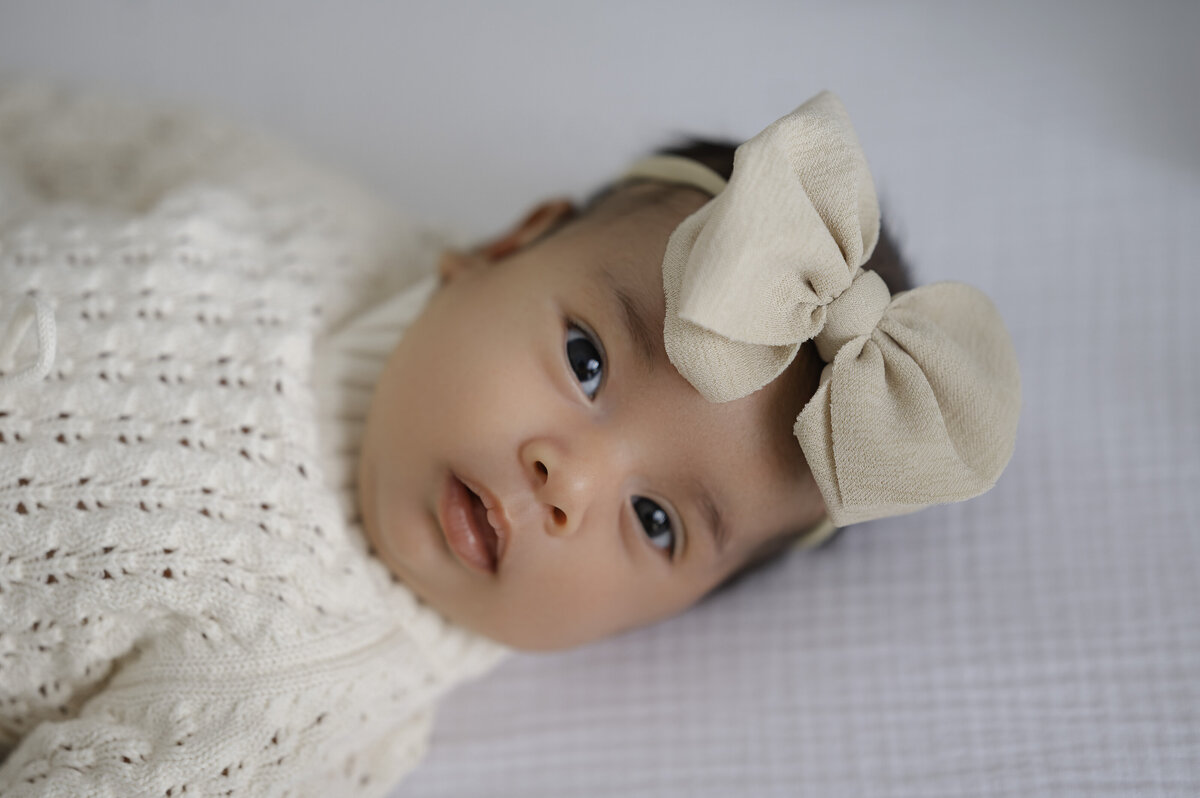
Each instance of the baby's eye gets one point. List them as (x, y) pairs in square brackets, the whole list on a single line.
[(585, 358), (656, 523)]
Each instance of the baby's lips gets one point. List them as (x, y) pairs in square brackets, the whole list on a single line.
[(496, 516)]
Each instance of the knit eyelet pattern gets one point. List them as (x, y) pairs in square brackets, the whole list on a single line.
[(188, 605)]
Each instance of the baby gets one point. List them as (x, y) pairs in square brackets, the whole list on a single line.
[(562, 482), (260, 518)]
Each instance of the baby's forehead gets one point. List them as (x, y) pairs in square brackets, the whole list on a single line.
[(622, 245), (617, 274)]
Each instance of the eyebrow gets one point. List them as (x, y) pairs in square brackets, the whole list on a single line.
[(712, 514), (637, 321)]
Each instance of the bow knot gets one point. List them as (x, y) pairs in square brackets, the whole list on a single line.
[(854, 313)]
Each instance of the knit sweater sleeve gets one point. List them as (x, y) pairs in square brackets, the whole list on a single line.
[(275, 724), (65, 144)]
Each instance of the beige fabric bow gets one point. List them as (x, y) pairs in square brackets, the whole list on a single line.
[(919, 398)]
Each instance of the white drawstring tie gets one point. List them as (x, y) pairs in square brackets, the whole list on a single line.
[(31, 308)]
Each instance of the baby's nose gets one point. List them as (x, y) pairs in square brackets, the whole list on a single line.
[(562, 484)]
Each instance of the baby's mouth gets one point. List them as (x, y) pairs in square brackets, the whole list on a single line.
[(465, 527), (483, 525), (486, 509)]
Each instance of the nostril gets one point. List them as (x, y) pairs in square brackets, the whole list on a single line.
[(560, 517), (541, 469)]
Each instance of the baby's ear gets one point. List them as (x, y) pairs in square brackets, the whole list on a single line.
[(454, 263), (539, 221)]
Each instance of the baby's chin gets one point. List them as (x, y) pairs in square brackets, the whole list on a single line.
[(374, 517), (374, 523)]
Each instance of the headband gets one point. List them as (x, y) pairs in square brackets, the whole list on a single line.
[(920, 394)]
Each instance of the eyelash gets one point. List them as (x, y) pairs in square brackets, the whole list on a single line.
[(673, 551), (581, 334), (576, 332)]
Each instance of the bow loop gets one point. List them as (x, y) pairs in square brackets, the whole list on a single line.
[(924, 412), (763, 259)]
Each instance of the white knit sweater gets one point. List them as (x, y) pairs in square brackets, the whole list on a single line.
[(187, 602)]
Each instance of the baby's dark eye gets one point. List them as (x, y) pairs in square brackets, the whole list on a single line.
[(586, 360), (656, 522)]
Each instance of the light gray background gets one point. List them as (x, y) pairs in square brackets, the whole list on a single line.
[(1043, 639)]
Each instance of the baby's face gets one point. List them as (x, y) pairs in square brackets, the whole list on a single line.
[(539, 382)]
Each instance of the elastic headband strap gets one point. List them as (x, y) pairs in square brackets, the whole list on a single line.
[(676, 169)]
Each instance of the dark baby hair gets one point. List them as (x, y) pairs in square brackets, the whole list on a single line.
[(886, 260)]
